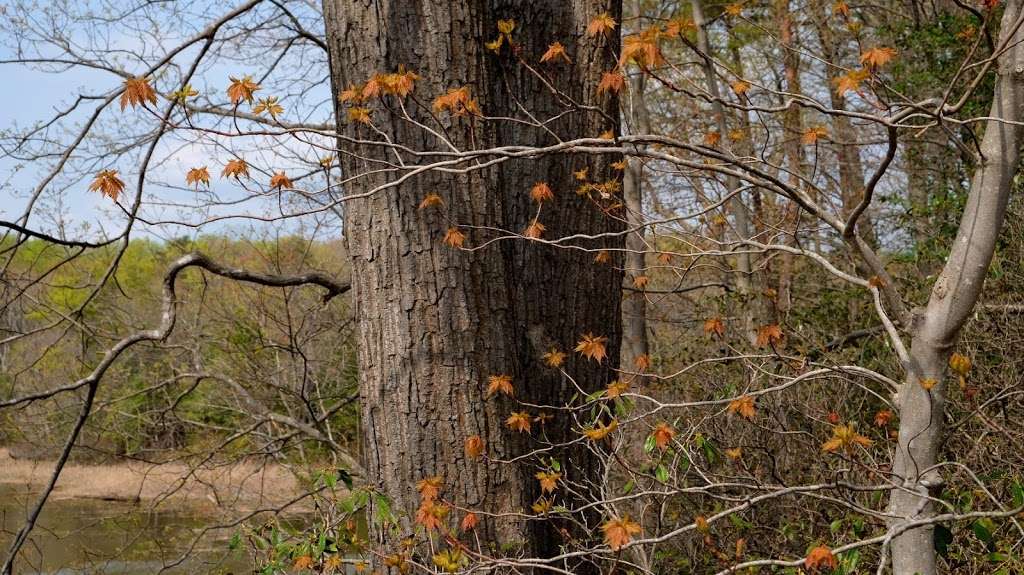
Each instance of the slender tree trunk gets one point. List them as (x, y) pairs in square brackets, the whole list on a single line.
[(740, 211), (952, 300), (634, 303), (435, 322)]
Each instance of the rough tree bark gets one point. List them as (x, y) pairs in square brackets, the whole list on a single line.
[(435, 322), (953, 298)]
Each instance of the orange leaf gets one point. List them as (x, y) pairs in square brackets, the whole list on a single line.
[(555, 50), (619, 532), (548, 480), (592, 347), (454, 238), (812, 135), (500, 384), (845, 437), (877, 57), (519, 421), (431, 200), (197, 176), (663, 434), (534, 230), (882, 418), (541, 192), (821, 558), (611, 82), (769, 335), (107, 183), (474, 446), (600, 431), (850, 82), (615, 389), (714, 326), (602, 257), (429, 487), (235, 169), (242, 89), (602, 24), (280, 181), (137, 91), (470, 521), (743, 406), (554, 358), (740, 87)]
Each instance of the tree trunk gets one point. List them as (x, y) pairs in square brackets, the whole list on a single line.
[(434, 321), (634, 302), (951, 303)]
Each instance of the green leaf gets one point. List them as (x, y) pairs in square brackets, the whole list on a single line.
[(661, 474)]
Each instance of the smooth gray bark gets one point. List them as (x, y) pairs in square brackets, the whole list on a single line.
[(952, 300)]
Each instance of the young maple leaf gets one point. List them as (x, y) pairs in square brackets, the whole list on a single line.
[(642, 362), (500, 384), (351, 94), (603, 23), (845, 437), (641, 48), (535, 230), (242, 89), (197, 176), (743, 406), (769, 335), (581, 174), (882, 418), (474, 446), (663, 434), (602, 257), (137, 91), (555, 50), (841, 9), (554, 358), (812, 135), (542, 506), (235, 169), (928, 383), (519, 421), (615, 389), (960, 364), (611, 82), (592, 347), (679, 26), (107, 183), (457, 102), (711, 139), (714, 327), (359, 115), (429, 487), (734, 453), (431, 515), (454, 238), (877, 57), (280, 181), (850, 81), (600, 431), (182, 94), (431, 200), (303, 562), (506, 26), (619, 532), (548, 480), (740, 87), (541, 192), (734, 9), (470, 521), (268, 105), (821, 558)]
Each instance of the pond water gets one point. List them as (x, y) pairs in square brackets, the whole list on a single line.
[(80, 536)]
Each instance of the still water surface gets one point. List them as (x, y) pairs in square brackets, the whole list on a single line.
[(85, 536)]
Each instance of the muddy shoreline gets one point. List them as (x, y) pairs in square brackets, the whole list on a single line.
[(238, 486)]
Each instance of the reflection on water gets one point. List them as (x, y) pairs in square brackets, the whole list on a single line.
[(79, 536)]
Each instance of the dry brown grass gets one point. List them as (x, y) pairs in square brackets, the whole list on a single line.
[(237, 486)]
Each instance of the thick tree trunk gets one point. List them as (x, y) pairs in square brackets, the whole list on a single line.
[(952, 301), (435, 322)]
